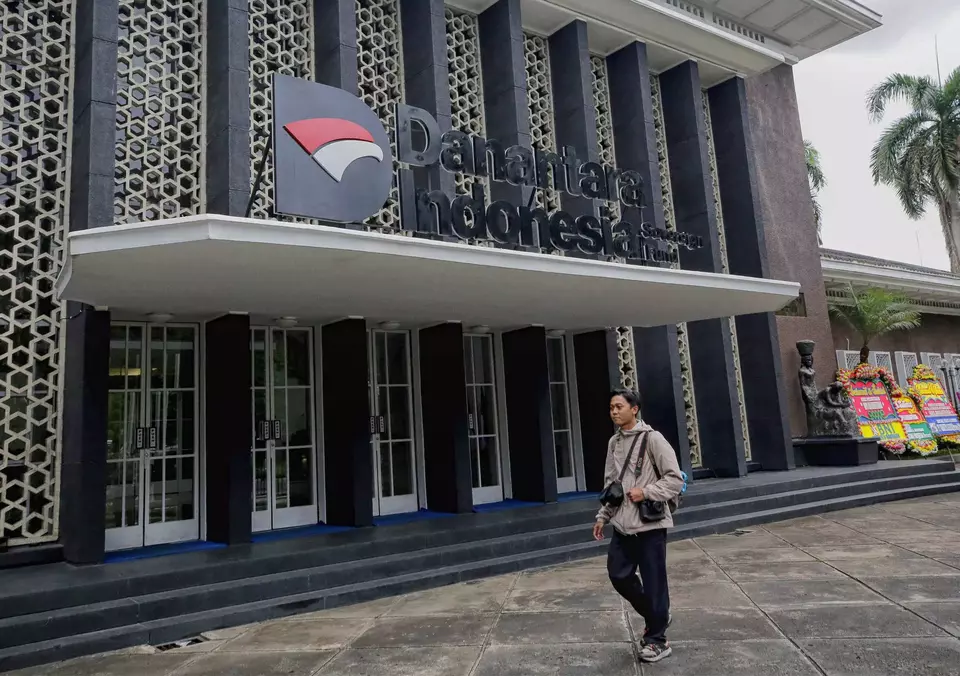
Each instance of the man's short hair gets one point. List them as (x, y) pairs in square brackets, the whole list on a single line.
[(632, 397)]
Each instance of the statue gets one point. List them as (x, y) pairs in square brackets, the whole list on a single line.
[(829, 411)]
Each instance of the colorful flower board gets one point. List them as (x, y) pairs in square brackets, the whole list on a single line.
[(934, 404), (885, 412)]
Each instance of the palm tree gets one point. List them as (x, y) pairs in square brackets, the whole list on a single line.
[(919, 153), (874, 312), (817, 182)]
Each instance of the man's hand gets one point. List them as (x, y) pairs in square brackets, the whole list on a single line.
[(635, 494), (598, 530)]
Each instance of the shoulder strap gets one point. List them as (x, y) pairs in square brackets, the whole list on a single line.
[(626, 461), (653, 460)]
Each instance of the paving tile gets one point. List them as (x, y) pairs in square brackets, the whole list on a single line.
[(734, 658), (403, 662), (553, 628), (933, 549), (483, 596), (822, 538), (370, 609), (558, 660), (585, 599), (768, 555), (708, 595), (853, 551), (803, 592), (917, 589), (860, 621), (115, 664), (721, 544), (563, 578), (686, 572), (229, 632), (300, 635), (257, 664), (883, 657), (917, 536), (788, 570), (397, 632), (706, 624), (892, 567), (944, 615)]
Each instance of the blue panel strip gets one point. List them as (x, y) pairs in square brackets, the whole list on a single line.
[(161, 550)]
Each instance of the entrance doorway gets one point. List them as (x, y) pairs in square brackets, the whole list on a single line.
[(392, 428), (482, 418), (152, 432), (284, 450), (562, 418)]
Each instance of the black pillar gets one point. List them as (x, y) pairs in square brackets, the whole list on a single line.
[(575, 113), (228, 107), (348, 457), (711, 343), (759, 340), (446, 440), (533, 463), (635, 138), (661, 388), (86, 359), (228, 428), (426, 85), (597, 374), (83, 463), (505, 86), (335, 42)]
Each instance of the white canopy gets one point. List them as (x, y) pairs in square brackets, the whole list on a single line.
[(209, 265)]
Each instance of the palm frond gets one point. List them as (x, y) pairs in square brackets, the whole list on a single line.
[(874, 312), (919, 92)]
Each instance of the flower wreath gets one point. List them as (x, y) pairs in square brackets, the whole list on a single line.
[(868, 372), (924, 372)]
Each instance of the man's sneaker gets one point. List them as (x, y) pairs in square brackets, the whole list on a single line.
[(654, 652)]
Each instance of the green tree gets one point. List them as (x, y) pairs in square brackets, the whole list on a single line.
[(817, 182), (874, 312), (918, 155)]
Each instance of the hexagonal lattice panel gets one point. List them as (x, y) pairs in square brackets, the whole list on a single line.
[(35, 73), (536, 54), (159, 151), (380, 74), (281, 41), (466, 82), (683, 338)]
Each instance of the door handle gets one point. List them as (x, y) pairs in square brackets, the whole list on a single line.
[(382, 424)]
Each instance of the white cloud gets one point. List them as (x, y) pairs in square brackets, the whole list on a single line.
[(831, 89)]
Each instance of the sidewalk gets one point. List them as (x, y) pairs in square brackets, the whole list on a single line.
[(871, 591)]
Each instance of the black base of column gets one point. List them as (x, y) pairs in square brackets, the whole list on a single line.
[(661, 387), (533, 464), (446, 437), (83, 466), (348, 457), (597, 375), (229, 425)]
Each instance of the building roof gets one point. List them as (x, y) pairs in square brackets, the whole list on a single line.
[(726, 37), (933, 291)]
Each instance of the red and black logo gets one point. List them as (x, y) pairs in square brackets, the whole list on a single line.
[(333, 159)]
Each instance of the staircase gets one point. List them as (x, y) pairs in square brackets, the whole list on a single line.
[(57, 611)]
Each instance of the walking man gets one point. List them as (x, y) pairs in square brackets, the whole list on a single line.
[(639, 539)]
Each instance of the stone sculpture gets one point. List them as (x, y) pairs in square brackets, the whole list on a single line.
[(829, 411)]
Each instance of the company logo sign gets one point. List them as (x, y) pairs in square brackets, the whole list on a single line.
[(332, 155)]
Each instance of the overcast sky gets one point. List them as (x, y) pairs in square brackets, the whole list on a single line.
[(831, 88)]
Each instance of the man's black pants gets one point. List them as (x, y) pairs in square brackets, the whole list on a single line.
[(648, 594)]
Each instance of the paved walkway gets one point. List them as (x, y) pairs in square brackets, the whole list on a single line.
[(869, 591)]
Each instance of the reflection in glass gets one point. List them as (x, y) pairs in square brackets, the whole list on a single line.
[(298, 417), (261, 501), (555, 362), (402, 452), (156, 486), (298, 357), (400, 427), (564, 454), (558, 402), (475, 463), (488, 461), (483, 359), (280, 483), (259, 350), (301, 477), (397, 358), (386, 476)]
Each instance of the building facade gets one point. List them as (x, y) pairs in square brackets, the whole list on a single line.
[(182, 364)]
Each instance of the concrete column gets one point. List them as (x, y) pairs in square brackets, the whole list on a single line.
[(711, 343), (760, 364)]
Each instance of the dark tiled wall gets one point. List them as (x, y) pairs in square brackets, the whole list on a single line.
[(791, 233)]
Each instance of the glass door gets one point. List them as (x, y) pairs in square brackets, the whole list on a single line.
[(391, 406), (482, 419), (283, 445), (560, 408), (152, 432)]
